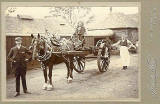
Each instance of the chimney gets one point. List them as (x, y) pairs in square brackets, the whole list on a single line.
[(110, 9)]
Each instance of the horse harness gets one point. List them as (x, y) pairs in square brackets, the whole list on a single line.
[(49, 49)]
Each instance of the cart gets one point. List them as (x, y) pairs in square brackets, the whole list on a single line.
[(80, 56), (102, 50), (103, 56)]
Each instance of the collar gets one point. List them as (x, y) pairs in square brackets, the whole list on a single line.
[(18, 46)]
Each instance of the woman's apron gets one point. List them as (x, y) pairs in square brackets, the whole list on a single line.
[(124, 54)]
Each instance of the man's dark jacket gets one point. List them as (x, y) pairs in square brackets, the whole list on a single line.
[(18, 57)]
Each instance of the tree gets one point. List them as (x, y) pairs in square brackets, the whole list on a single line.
[(73, 14)]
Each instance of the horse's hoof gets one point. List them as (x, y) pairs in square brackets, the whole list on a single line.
[(49, 87), (44, 86), (69, 80)]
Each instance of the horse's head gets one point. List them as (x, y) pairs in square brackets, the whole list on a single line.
[(37, 46)]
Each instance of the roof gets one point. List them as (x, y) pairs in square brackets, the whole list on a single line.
[(60, 25), (116, 20), (106, 32), (135, 17), (16, 26), (21, 27)]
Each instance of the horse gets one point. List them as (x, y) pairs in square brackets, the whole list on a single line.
[(43, 52)]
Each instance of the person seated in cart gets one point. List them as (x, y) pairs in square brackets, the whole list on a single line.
[(80, 32)]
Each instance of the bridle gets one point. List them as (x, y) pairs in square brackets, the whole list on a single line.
[(42, 53)]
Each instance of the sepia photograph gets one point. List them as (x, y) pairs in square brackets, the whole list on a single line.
[(72, 53)]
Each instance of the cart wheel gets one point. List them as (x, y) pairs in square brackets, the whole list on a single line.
[(79, 64), (103, 59)]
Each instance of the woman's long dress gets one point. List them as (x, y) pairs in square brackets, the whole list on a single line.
[(124, 53)]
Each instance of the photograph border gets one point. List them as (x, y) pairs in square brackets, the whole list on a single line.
[(142, 65)]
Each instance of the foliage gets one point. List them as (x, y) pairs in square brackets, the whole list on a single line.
[(73, 14), (10, 10)]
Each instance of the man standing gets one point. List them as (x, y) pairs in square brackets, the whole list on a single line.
[(17, 56)]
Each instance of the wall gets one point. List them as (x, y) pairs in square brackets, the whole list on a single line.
[(130, 33)]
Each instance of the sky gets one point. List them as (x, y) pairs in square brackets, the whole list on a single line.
[(99, 12)]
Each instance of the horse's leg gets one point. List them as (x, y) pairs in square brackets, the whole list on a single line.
[(50, 74), (70, 70), (67, 65), (67, 62), (71, 67), (50, 85), (45, 75)]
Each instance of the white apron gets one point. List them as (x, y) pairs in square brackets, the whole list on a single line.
[(125, 57)]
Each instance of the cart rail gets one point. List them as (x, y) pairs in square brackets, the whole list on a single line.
[(74, 53)]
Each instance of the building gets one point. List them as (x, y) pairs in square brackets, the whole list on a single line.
[(93, 36), (121, 24)]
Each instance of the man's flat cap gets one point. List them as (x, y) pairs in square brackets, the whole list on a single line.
[(18, 39)]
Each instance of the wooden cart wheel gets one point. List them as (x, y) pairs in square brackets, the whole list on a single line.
[(79, 64), (103, 59)]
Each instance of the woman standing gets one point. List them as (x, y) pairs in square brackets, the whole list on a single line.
[(125, 44)]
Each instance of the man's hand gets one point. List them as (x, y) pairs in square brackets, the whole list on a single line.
[(27, 60), (11, 60)]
